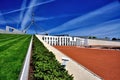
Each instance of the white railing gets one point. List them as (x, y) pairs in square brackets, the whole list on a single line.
[(25, 70)]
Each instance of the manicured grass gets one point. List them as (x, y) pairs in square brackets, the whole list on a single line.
[(12, 53)]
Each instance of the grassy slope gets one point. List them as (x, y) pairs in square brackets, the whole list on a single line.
[(12, 56)]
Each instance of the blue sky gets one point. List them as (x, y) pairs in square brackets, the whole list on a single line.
[(99, 18)]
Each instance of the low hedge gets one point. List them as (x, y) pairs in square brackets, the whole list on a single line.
[(45, 65)]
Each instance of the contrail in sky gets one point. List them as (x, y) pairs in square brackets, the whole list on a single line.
[(27, 7), (2, 19), (22, 12), (27, 14), (29, 11), (100, 29), (54, 17), (93, 18)]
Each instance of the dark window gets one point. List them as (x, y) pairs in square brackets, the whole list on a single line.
[(11, 30)]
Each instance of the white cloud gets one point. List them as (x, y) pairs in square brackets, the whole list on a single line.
[(2, 20), (31, 6), (27, 14), (54, 17), (9, 20), (29, 11), (91, 19), (106, 28), (22, 11)]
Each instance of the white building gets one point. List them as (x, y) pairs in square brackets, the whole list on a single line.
[(13, 30), (63, 40), (77, 41)]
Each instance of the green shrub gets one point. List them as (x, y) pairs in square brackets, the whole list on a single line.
[(46, 67)]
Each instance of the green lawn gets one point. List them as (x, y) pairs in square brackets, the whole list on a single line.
[(13, 49)]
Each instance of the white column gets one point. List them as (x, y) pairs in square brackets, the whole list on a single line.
[(52, 40), (65, 41), (60, 41)]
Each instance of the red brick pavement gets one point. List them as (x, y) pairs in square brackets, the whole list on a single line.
[(105, 63)]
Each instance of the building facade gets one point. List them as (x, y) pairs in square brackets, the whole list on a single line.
[(77, 41), (64, 40)]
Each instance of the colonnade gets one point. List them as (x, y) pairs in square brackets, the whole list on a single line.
[(64, 40)]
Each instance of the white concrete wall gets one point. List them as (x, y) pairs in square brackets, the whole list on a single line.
[(15, 31), (103, 42), (25, 70), (79, 72)]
